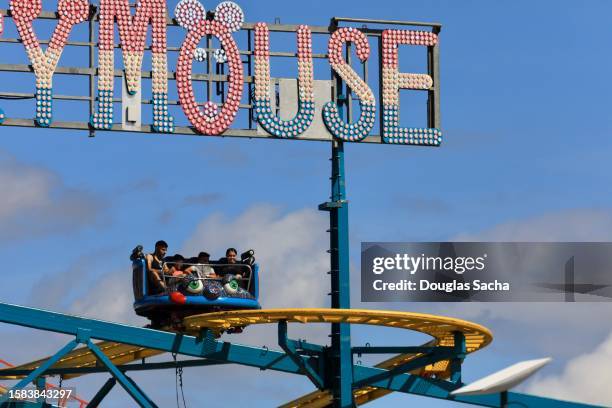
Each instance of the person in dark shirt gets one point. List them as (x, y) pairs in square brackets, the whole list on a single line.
[(156, 268), (230, 265)]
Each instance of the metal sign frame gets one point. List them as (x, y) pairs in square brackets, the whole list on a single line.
[(214, 78)]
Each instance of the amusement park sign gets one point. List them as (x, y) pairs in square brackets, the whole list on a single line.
[(216, 118)]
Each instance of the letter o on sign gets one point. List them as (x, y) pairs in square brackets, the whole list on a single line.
[(205, 122)]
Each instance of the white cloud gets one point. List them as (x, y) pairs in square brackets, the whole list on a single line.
[(290, 249), (87, 287), (52, 292), (24, 188), (35, 201), (588, 225), (585, 378), (109, 298), (532, 330)]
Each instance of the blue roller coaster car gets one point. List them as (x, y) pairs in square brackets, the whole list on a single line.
[(231, 287)]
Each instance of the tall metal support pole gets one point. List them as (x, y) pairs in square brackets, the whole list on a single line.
[(340, 360), (342, 364)]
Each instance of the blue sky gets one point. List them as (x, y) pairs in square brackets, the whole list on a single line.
[(525, 112)]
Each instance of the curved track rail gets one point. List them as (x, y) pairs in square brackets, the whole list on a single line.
[(441, 328)]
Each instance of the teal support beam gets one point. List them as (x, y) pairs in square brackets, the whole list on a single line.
[(413, 364), (457, 360), (102, 393), (140, 390), (208, 340), (398, 349), (154, 339), (340, 357), (426, 387), (11, 372), (41, 384), (289, 347), (138, 396), (303, 347), (40, 370)]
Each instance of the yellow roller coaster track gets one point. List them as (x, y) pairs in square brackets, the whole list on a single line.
[(82, 357), (441, 328)]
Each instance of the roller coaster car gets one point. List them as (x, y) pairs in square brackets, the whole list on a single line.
[(235, 287)]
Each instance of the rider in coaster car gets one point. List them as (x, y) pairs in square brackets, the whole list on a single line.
[(156, 268), (203, 269), (231, 265), (178, 270)]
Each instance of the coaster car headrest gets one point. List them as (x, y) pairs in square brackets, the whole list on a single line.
[(137, 253)]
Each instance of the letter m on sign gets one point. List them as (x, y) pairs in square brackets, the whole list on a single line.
[(133, 34)]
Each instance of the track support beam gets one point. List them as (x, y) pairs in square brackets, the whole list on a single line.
[(339, 358), (123, 368), (340, 361), (135, 392), (397, 350), (40, 370), (41, 384), (460, 353), (102, 393), (413, 364), (289, 347)]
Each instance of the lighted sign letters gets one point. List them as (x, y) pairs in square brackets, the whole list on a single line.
[(359, 130), (393, 81), (191, 15), (263, 108), (211, 118), (133, 34), (24, 12)]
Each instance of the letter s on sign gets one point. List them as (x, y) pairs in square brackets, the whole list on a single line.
[(359, 130)]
